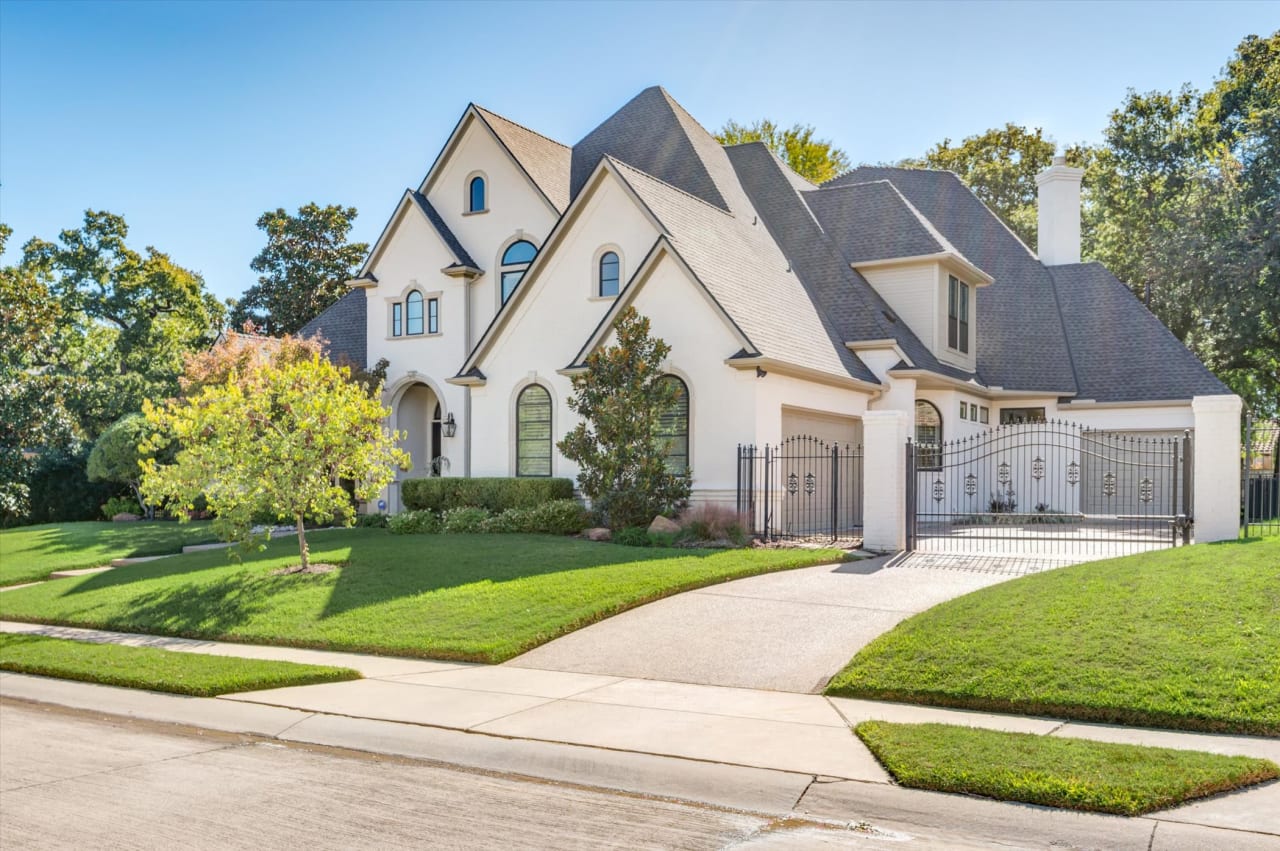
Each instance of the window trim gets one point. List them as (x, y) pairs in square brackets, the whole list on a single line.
[(933, 459), (433, 315), (688, 425), (597, 283), (408, 313), (551, 415), (398, 313), (397, 319), (958, 301), (505, 269), (467, 194)]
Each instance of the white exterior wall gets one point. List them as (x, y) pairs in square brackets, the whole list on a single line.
[(912, 292), (515, 210)]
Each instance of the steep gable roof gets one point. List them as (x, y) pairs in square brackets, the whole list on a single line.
[(460, 255), (845, 299), (650, 133), (872, 221), (546, 161), (1120, 351), (343, 327), (1021, 342), (436, 223)]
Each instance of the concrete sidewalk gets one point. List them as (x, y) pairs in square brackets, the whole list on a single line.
[(753, 730)]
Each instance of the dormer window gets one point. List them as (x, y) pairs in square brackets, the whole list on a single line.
[(476, 196), (609, 275), (958, 315), (515, 261)]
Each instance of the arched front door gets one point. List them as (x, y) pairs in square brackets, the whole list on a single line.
[(417, 417)]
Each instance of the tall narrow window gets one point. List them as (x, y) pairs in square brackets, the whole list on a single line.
[(433, 316), (397, 319), (533, 431), (475, 196), (515, 260), (928, 436), (413, 313), (608, 274), (673, 427), (958, 315)]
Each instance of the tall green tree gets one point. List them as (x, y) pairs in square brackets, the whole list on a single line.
[(302, 269), (618, 445), (817, 160)]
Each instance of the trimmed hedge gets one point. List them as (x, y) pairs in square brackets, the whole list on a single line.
[(558, 517), (492, 494)]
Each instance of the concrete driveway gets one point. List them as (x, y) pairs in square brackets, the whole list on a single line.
[(788, 631)]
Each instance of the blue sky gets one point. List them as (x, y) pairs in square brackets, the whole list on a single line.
[(191, 119)]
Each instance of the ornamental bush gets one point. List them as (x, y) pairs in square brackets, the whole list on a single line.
[(413, 523), (494, 494), (466, 519)]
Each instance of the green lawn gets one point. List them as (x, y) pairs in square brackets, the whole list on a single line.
[(1187, 638), (482, 598), (1075, 774), (155, 669), (31, 553)]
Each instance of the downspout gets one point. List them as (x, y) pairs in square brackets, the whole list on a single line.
[(466, 398)]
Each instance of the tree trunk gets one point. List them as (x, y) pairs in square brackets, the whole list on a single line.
[(302, 545)]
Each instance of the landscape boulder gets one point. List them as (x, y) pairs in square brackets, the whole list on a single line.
[(125, 517), (598, 534), (664, 526)]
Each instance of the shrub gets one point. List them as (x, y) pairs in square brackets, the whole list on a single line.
[(713, 522), (558, 517), (465, 519), (632, 536), (371, 521), (1002, 503), (413, 523), (119, 505), (661, 539), (494, 494), (59, 489)]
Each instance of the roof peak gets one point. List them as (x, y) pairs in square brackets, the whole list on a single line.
[(490, 112)]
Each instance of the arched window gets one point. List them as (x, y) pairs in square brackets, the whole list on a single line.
[(608, 274), (673, 427), (928, 436), (475, 195), (533, 431), (413, 313), (515, 260)]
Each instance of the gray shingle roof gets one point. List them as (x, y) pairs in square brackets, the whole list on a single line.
[(1121, 352), (746, 273), (871, 221), (343, 326), (546, 161), (460, 255), (1021, 343), (650, 133), (848, 303)]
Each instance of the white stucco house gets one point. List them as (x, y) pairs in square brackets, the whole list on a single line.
[(790, 308)]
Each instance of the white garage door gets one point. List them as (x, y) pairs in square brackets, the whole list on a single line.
[(829, 428)]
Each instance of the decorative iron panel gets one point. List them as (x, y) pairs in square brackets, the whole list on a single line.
[(801, 489)]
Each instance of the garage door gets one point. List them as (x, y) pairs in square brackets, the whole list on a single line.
[(829, 428)]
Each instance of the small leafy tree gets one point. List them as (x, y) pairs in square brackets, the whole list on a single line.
[(116, 456), (618, 446), (277, 440), (815, 159)]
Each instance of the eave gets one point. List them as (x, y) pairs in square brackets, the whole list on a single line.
[(754, 361)]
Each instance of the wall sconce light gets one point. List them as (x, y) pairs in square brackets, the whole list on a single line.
[(760, 373), (449, 427)]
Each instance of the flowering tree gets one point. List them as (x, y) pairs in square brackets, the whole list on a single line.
[(275, 439)]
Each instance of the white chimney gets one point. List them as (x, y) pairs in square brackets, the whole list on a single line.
[(1058, 242)]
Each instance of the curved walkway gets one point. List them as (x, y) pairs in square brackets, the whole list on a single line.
[(787, 631)]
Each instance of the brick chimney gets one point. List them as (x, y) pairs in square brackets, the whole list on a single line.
[(1058, 240)]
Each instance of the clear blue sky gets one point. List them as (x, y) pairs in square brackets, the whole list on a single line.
[(191, 119)]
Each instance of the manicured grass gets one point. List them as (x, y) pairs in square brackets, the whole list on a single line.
[(481, 598), (155, 669), (1187, 638), (31, 553), (1075, 774)]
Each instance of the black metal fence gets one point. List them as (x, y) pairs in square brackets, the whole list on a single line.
[(1260, 478), (1050, 488), (801, 489)]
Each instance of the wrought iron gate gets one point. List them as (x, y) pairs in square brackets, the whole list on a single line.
[(803, 488), (1049, 488), (1260, 478)]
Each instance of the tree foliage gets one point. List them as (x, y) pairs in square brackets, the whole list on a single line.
[(277, 439), (621, 398), (817, 160), (117, 455), (302, 269)]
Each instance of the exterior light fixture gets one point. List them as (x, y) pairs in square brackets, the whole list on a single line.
[(449, 427)]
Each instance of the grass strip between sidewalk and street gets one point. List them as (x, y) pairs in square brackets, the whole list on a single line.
[(1074, 774), (31, 553), (1186, 638), (472, 598), (155, 669)]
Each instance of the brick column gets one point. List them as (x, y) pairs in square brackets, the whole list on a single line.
[(1216, 478), (884, 440)]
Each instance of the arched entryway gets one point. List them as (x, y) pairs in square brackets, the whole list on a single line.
[(418, 417)]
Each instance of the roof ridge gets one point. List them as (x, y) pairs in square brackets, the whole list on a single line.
[(929, 226), (670, 186), (487, 111), (827, 188), (827, 183)]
